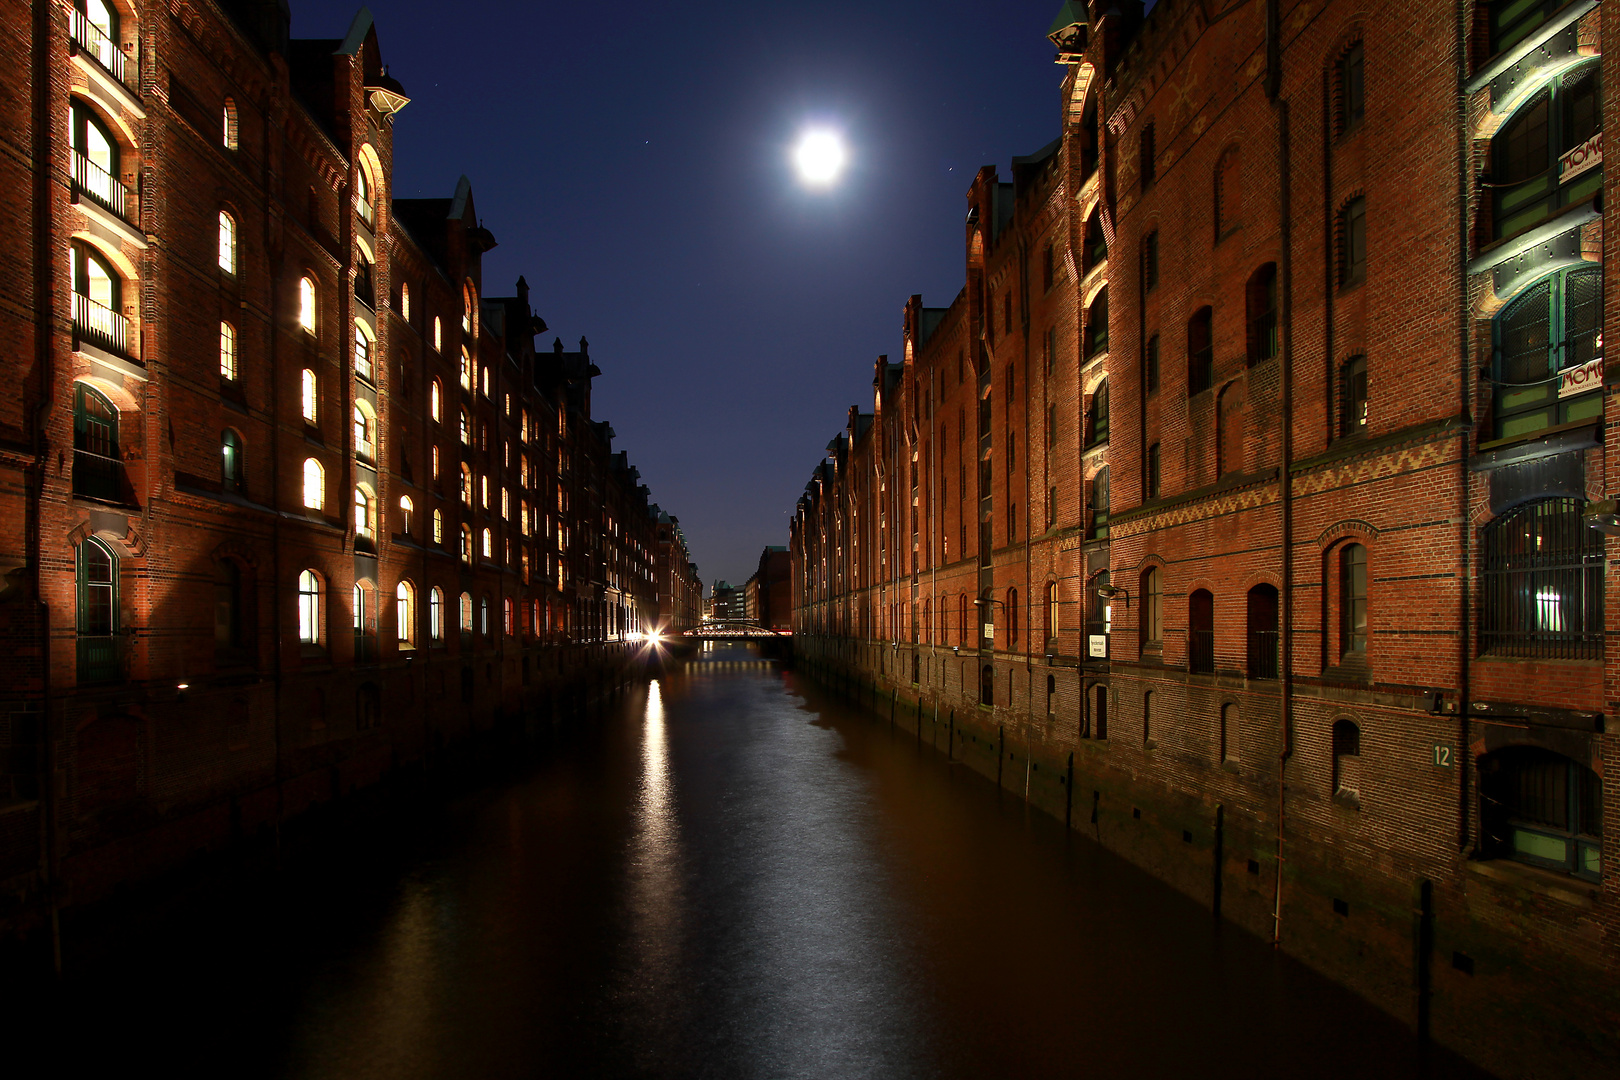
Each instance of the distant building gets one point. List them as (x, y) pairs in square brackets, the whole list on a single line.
[(727, 602), (680, 590), (768, 595)]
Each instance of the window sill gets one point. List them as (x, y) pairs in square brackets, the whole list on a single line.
[(1523, 878)]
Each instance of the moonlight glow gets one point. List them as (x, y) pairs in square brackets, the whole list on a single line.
[(820, 157)]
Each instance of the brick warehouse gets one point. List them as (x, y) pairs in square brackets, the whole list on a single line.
[(1248, 507), (288, 501)]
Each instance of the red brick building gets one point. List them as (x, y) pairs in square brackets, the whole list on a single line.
[(1250, 502), (286, 500), (680, 589)]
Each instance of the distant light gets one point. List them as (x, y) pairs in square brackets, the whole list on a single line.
[(820, 157), (184, 686)]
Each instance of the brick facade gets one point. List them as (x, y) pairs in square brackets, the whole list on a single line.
[(168, 485), (1345, 571)]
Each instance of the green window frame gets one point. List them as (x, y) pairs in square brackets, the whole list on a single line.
[(97, 465), (1543, 809), (1554, 325), (1525, 183), (96, 617)]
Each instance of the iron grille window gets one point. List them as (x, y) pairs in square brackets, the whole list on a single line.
[(1543, 583), (1264, 637), (1554, 326)]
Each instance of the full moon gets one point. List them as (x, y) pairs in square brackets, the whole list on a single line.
[(820, 157)]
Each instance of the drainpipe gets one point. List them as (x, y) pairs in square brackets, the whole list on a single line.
[(1465, 383), (1285, 478)]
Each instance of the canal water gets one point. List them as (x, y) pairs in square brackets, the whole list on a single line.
[(729, 875)]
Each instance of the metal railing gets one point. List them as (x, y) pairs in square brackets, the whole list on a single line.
[(96, 476), (103, 48), (102, 186), (98, 658), (1263, 646), (367, 212), (100, 325), (1201, 651)]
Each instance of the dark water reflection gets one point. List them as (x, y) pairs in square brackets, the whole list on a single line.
[(731, 877)]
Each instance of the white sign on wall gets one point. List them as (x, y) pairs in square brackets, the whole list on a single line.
[(1578, 380), (1097, 645), (1577, 160), (989, 631)]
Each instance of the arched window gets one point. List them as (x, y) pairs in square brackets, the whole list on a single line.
[(1543, 583), (365, 193), (405, 302), (466, 544), (1346, 761), (230, 452), (98, 296), (466, 484), (1152, 591), (436, 614), (1264, 637), (1096, 240), (1201, 631), (438, 334), (365, 430), (365, 513), (987, 685), (362, 354), (1228, 191), (438, 527), (1353, 397), (469, 305), (309, 395), (466, 429), (1352, 602), (309, 608), (97, 615), (227, 243), (98, 467), (466, 613), (508, 617), (1053, 623), (1545, 155), (229, 125), (436, 401), (97, 30), (306, 303), (1097, 325), (466, 370), (227, 351), (483, 615), (361, 616), (1097, 414), (1352, 103), (405, 612), (407, 514), (1554, 327), (314, 484), (1260, 304), (96, 159), (1201, 351), (1231, 725), (1012, 618), (1542, 808), (489, 544)]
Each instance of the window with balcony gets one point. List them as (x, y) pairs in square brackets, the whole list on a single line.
[(365, 431), (365, 281), (1544, 158), (98, 465), (231, 464), (1260, 302), (1096, 244), (1097, 325), (98, 294), (1543, 583), (309, 608), (365, 514), (97, 161), (314, 484), (97, 612), (365, 194), (96, 31), (1543, 340), (1542, 808), (1200, 351)]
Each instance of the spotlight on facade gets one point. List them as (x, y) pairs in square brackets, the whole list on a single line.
[(1069, 31)]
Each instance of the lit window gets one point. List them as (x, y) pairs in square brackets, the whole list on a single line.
[(506, 505), (489, 544), (231, 461), (227, 243), (405, 612), (310, 395), (466, 612), (483, 616), (466, 483), (228, 131), (314, 484), (466, 371), (436, 614), (436, 401), (362, 354), (405, 302), (435, 455), (406, 510), (438, 334), (359, 606), (365, 513), (483, 375), (227, 351), (466, 429), (309, 608), (306, 304), (365, 429), (508, 617), (438, 527), (466, 544), (483, 491)]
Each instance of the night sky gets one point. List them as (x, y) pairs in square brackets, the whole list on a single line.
[(633, 162)]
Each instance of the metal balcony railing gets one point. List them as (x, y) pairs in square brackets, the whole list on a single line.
[(96, 476), (102, 186), (100, 325), (105, 51), (98, 658), (367, 212), (1201, 651)]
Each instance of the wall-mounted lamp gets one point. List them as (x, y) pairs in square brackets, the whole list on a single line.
[(1110, 592)]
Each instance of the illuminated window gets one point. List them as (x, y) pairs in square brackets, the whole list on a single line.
[(438, 334), (436, 614), (314, 484), (438, 527), (466, 429), (231, 461), (228, 118), (434, 454), (309, 608), (466, 544), (489, 544), (227, 243), (362, 354), (359, 606), (436, 401), (483, 377), (309, 395), (483, 491), (227, 351), (306, 303), (365, 513), (506, 505), (405, 612), (466, 612), (466, 484), (407, 511), (365, 430), (483, 615), (508, 617), (405, 302), (466, 371)]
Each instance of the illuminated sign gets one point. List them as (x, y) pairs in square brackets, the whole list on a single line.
[(1098, 645)]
